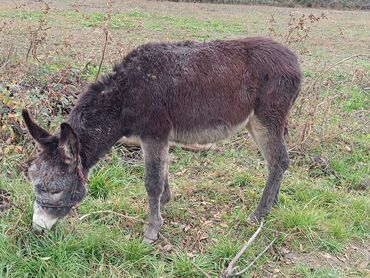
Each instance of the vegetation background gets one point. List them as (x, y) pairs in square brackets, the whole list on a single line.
[(49, 51), (338, 4)]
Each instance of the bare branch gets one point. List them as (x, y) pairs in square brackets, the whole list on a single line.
[(333, 66), (259, 255), (229, 270), (107, 20), (103, 53)]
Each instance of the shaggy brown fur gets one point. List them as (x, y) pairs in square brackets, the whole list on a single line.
[(187, 92)]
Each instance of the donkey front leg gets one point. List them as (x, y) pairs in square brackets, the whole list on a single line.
[(156, 165)]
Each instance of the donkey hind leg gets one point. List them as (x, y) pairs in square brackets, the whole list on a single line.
[(270, 141), (166, 195), (156, 165)]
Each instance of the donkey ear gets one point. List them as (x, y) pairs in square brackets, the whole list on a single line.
[(69, 146), (37, 132)]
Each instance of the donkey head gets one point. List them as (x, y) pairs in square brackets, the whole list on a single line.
[(56, 174)]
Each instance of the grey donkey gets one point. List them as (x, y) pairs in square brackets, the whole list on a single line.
[(186, 92)]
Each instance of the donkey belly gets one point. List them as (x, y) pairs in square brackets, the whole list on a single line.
[(215, 130)]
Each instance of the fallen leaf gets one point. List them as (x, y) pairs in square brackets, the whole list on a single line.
[(327, 256), (300, 247), (167, 247), (203, 237), (190, 255), (363, 265), (187, 228)]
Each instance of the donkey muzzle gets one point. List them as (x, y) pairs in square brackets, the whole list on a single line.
[(42, 220)]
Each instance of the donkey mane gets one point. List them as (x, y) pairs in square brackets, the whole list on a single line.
[(104, 81)]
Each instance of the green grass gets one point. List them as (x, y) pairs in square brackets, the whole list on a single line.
[(344, 4), (308, 272), (23, 15), (321, 209), (137, 20), (314, 217), (358, 99)]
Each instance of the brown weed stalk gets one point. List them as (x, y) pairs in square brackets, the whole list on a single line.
[(107, 20), (38, 35)]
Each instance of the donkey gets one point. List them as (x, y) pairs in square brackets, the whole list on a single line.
[(186, 92)]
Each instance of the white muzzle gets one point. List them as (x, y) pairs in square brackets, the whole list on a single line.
[(41, 219)]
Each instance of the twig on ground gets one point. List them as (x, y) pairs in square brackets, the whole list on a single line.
[(4, 65), (230, 269), (109, 211), (259, 255)]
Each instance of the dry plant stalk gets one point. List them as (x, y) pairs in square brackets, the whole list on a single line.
[(131, 218), (310, 106), (38, 35), (3, 26), (298, 29), (271, 23), (107, 20)]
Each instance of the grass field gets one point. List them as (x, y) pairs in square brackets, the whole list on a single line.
[(337, 4), (321, 224)]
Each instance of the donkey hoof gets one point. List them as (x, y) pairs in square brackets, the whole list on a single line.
[(254, 218), (150, 234), (148, 241)]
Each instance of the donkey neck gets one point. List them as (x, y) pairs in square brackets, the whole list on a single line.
[(96, 121)]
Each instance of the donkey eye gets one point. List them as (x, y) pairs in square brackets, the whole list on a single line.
[(56, 192), (41, 189)]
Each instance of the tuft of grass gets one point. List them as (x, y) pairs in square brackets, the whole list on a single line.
[(224, 249), (187, 265), (299, 218), (338, 229), (242, 180), (331, 245), (102, 183), (183, 266), (358, 99), (134, 250)]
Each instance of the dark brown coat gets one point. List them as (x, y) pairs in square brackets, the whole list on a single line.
[(188, 92)]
